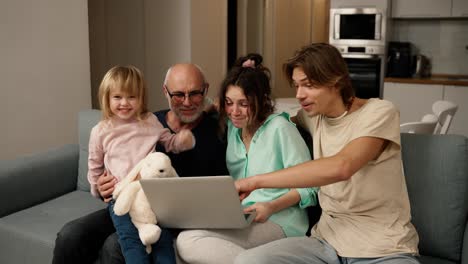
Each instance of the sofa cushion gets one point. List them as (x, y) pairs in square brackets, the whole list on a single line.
[(86, 121), (436, 171), (28, 236)]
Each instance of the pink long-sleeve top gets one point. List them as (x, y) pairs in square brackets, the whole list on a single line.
[(117, 146)]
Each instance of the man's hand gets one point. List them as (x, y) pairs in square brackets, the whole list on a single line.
[(244, 187), (105, 186), (263, 209)]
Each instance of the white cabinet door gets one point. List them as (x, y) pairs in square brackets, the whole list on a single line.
[(460, 8), (458, 95), (413, 100), (421, 8)]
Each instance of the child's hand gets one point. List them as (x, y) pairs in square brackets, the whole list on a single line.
[(187, 140), (105, 186), (263, 209)]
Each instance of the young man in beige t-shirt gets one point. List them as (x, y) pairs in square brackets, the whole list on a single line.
[(357, 165)]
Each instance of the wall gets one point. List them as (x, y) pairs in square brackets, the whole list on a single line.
[(44, 72), (250, 25), (167, 38), (45, 53), (153, 35), (443, 41), (181, 31), (116, 37), (208, 30)]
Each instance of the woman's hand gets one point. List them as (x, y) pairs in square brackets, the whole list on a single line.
[(263, 211), (105, 186)]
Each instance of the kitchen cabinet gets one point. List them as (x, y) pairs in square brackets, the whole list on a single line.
[(415, 100), (429, 8), (276, 29), (460, 8), (458, 95), (422, 8)]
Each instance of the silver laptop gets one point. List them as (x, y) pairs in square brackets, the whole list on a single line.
[(196, 202)]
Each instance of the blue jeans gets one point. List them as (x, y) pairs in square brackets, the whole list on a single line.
[(133, 249), (307, 250)]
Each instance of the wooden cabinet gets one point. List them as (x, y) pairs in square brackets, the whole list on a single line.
[(458, 95), (413, 100), (422, 8), (460, 8), (276, 29)]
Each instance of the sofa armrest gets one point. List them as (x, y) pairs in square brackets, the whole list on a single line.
[(34, 179)]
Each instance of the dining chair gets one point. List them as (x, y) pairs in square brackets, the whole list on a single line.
[(427, 125), (445, 111)]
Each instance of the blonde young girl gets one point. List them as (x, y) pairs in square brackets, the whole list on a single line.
[(124, 136)]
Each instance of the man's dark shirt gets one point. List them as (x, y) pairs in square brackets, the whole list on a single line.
[(208, 157)]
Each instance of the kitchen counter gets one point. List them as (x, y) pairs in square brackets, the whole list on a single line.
[(444, 79)]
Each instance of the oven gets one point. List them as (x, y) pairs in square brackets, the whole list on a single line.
[(359, 30), (366, 72)]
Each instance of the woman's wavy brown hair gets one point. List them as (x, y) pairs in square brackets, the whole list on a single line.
[(255, 83)]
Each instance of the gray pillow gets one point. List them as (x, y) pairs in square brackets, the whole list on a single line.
[(86, 121)]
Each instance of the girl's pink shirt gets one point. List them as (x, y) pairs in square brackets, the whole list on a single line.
[(118, 145)]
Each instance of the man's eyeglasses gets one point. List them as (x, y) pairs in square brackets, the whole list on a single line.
[(179, 97)]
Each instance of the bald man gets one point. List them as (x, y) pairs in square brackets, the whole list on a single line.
[(185, 89)]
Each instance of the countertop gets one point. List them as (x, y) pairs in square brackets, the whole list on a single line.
[(444, 79), (289, 105)]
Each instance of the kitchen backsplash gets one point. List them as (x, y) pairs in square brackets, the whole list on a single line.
[(443, 41)]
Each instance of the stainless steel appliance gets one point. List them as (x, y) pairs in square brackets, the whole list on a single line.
[(359, 29), (366, 72), (404, 63), (423, 67), (358, 26)]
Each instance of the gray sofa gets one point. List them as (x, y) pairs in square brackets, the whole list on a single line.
[(40, 193)]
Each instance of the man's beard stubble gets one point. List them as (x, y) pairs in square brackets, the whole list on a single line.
[(188, 119)]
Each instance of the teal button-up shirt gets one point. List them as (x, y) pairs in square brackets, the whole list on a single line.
[(275, 145)]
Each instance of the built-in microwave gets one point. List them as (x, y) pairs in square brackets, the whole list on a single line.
[(358, 26)]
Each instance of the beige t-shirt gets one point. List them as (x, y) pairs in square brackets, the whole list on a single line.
[(369, 214)]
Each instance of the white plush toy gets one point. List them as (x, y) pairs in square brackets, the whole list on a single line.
[(130, 198)]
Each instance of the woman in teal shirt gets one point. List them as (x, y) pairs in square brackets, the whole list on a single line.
[(259, 141)]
